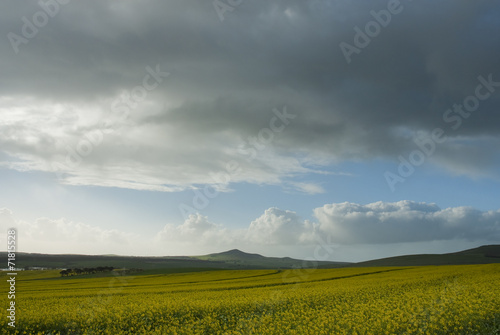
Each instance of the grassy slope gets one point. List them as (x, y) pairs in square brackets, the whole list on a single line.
[(238, 257), (482, 255), (81, 261), (235, 259)]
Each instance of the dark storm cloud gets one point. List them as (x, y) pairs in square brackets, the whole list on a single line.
[(226, 77)]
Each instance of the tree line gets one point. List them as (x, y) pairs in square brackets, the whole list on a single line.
[(78, 271)]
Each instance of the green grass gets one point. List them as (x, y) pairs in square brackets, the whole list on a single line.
[(32, 274), (483, 255)]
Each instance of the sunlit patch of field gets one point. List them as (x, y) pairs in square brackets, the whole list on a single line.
[(394, 300)]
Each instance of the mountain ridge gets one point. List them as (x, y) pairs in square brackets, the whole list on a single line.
[(484, 254), (237, 259)]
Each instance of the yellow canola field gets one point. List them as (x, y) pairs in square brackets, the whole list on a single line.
[(395, 300)]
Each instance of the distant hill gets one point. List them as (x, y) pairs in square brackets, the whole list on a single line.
[(232, 259), (231, 255), (481, 255), (80, 261), (239, 258)]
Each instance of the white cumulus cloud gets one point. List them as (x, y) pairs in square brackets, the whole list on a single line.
[(47, 235), (405, 221), (278, 227)]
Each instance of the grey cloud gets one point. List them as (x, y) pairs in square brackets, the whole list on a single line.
[(227, 76), (377, 226), (346, 224), (405, 221), (6, 219)]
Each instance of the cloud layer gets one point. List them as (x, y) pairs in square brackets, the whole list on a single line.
[(80, 97), (46, 235), (405, 221), (336, 225)]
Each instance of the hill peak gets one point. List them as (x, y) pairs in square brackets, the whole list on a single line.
[(235, 253)]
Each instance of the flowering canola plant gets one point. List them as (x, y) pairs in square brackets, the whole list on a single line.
[(462, 299)]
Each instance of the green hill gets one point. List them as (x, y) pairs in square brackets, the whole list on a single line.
[(80, 261), (239, 258), (233, 259), (481, 255)]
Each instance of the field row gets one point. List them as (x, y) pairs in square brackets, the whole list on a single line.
[(419, 300)]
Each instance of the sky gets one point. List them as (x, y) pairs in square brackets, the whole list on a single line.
[(322, 129)]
